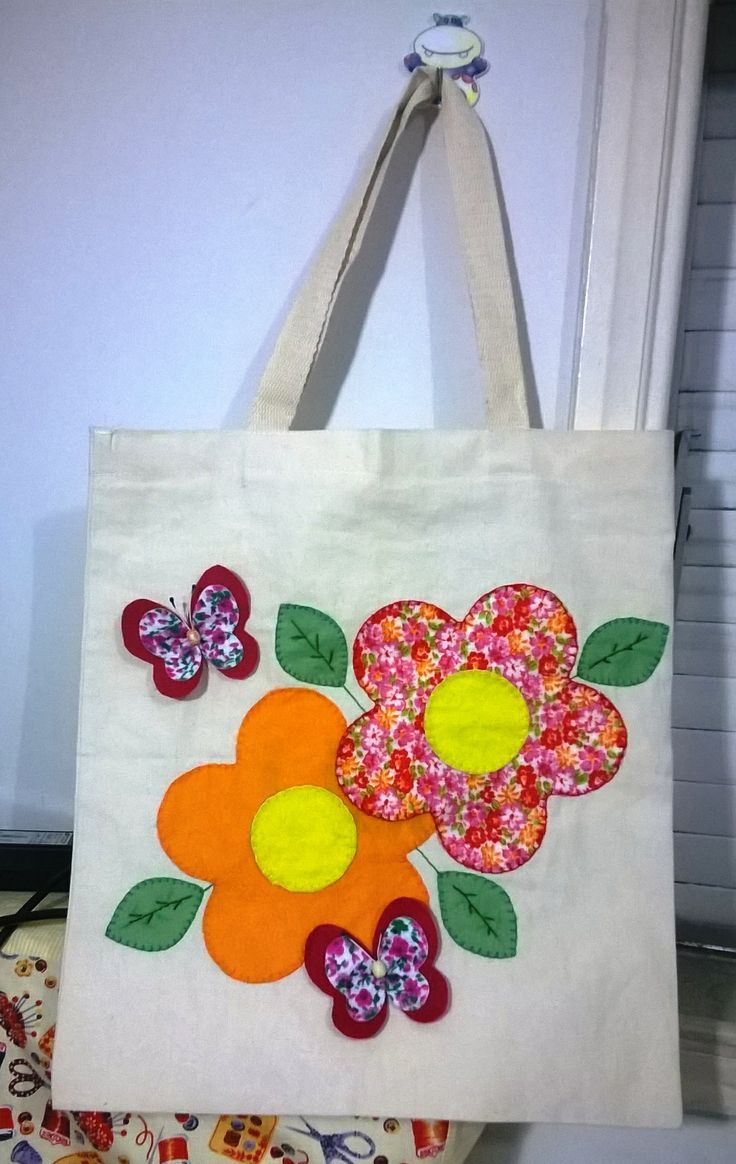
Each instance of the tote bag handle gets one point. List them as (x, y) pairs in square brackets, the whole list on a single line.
[(478, 213)]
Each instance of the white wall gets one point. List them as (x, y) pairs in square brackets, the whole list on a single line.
[(169, 167)]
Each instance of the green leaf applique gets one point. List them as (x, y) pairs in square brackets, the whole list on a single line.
[(310, 646), (477, 914), (155, 914), (623, 652)]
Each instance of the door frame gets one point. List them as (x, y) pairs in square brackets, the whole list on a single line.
[(648, 87)]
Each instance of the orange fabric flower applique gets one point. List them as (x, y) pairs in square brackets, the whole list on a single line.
[(283, 848)]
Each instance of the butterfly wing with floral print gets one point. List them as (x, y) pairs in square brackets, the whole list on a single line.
[(349, 970), (403, 948), (220, 610), (158, 635)]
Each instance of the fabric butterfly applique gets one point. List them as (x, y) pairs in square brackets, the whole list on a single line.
[(400, 970), (211, 629)]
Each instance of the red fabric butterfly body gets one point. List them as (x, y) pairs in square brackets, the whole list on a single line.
[(212, 630)]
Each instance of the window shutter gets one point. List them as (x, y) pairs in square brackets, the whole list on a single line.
[(704, 696)]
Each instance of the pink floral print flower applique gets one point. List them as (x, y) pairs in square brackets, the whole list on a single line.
[(400, 970), (477, 722)]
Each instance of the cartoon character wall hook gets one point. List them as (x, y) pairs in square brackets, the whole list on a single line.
[(449, 45)]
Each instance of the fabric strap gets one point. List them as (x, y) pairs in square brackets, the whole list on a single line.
[(478, 211)]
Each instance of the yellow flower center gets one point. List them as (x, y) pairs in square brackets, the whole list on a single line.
[(476, 721), (303, 838)]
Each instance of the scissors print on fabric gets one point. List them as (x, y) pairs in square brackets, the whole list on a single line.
[(335, 1146), (26, 1080)]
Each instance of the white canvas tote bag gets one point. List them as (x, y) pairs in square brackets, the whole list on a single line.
[(377, 819)]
